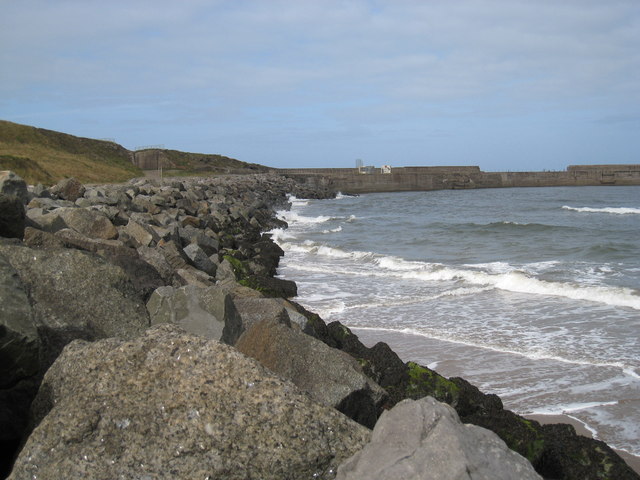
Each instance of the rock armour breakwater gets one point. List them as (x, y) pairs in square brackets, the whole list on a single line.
[(97, 273)]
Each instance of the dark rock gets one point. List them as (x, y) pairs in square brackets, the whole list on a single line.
[(13, 185), (331, 377), (199, 259), (76, 295), (174, 405), (19, 357), (12, 216), (68, 189), (425, 440)]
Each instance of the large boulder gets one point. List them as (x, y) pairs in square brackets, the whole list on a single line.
[(68, 189), (13, 185), (91, 223), (19, 361), (12, 216), (425, 440), (76, 295), (171, 405), (331, 377), (208, 312)]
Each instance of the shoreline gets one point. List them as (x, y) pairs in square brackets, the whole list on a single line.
[(370, 337)]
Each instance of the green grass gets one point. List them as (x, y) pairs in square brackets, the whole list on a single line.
[(45, 156)]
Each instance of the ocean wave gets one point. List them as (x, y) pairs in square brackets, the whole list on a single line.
[(538, 353), (333, 230), (614, 210), (294, 217), (512, 280)]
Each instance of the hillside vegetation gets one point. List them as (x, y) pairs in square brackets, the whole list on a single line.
[(46, 156)]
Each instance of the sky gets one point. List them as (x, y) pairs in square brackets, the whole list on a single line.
[(508, 85)]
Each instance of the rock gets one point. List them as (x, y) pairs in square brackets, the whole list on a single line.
[(68, 189), (12, 216), (208, 312), (331, 377), (157, 260), (199, 259), (426, 440), (174, 405), (39, 239), (88, 222), (46, 221), (19, 354), (192, 276), (253, 309), (143, 234), (13, 185), (76, 295)]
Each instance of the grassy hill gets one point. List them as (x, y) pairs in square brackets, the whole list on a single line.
[(45, 156)]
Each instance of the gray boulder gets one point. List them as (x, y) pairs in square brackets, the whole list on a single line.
[(208, 312), (199, 259), (68, 189), (42, 219), (91, 223), (76, 295), (19, 354), (142, 233), (170, 405), (332, 377), (13, 185), (12, 216), (425, 440)]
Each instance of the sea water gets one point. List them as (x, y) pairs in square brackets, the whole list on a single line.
[(529, 293)]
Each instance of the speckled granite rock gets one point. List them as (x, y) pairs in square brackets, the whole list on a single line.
[(170, 405), (425, 440)]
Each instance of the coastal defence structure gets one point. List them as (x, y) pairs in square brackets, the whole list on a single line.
[(399, 179)]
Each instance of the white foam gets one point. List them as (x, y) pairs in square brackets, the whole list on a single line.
[(511, 280), (614, 210), (537, 354), (293, 217), (333, 230)]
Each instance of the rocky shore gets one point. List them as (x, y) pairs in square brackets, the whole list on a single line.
[(144, 334)]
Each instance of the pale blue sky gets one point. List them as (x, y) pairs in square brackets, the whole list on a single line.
[(503, 84)]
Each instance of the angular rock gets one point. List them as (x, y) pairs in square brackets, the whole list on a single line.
[(39, 239), (68, 189), (143, 234), (44, 220), (425, 440), (207, 312), (12, 184), (76, 295), (174, 405), (12, 216), (253, 309), (88, 222), (199, 259), (192, 276), (157, 260), (19, 353), (331, 377)]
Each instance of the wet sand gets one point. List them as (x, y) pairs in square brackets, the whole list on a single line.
[(410, 347)]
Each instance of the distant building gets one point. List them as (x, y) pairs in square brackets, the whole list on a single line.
[(385, 169)]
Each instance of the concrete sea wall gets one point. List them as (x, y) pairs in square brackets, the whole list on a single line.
[(349, 180)]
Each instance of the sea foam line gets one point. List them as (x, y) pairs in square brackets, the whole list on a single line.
[(614, 210), (540, 355), (513, 281)]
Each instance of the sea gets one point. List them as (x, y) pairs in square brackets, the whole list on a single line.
[(529, 293)]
